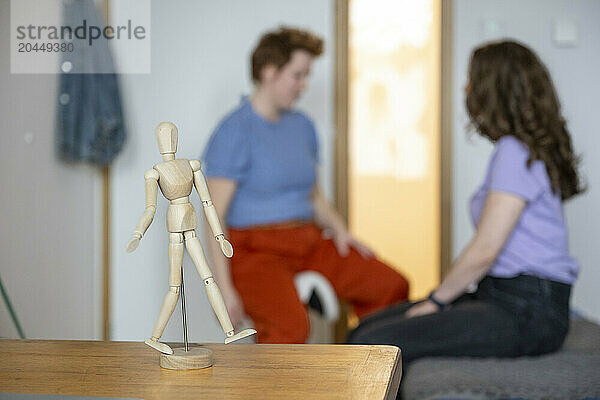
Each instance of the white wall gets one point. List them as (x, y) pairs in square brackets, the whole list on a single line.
[(200, 68), (575, 71), (48, 211)]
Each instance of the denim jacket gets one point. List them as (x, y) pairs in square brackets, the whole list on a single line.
[(90, 124)]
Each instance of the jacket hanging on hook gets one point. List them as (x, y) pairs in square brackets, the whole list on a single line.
[(90, 125)]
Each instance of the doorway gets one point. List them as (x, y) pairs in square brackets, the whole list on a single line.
[(395, 157)]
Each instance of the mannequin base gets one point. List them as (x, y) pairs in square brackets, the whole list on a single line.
[(194, 358)]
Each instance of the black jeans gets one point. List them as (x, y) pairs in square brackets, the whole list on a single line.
[(506, 317)]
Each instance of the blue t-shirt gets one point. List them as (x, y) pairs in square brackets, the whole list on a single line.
[(538, 244), (273, 164)]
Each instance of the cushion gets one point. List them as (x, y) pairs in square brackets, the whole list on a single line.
[(571, 373)]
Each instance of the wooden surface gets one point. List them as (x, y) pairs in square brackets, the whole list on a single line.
[(248, 371)]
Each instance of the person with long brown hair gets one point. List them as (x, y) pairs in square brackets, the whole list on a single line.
[(519, 253), (261, 164)]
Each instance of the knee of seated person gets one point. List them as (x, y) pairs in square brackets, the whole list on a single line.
[(300, 332), (400, 290), (293, 333), (404, 288)]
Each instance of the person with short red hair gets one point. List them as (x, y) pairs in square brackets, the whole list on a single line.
[(261, 166)]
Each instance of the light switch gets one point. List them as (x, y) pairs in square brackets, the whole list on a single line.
[(493, 29), (564, 33), (28, 137)]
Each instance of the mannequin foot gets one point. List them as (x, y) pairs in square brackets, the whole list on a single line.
[(155, 344), (240, 335)]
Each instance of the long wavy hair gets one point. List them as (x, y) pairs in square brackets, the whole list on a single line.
[(510, 93)]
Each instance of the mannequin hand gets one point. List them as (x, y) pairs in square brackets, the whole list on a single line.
[(234, 305), (133, 242), (422, 308), (344, 241), (226, 247)]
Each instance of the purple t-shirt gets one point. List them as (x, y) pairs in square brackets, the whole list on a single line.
[(538, 245)]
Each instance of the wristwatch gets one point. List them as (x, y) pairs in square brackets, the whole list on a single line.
[(435, 301)]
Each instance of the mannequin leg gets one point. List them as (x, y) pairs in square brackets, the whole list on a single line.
[(194, 248), (168, 306), (214, 294)]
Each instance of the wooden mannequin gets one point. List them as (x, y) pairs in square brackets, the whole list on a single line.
[(175, 178)]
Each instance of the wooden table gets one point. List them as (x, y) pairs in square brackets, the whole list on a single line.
[(248, 371)]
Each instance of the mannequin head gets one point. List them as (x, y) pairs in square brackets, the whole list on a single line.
[(166, 136)]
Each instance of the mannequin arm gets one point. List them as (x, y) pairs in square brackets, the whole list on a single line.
[(222, 191), (209, 209), (151, 178)]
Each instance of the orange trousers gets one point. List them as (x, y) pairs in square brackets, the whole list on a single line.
[(267, 258)]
